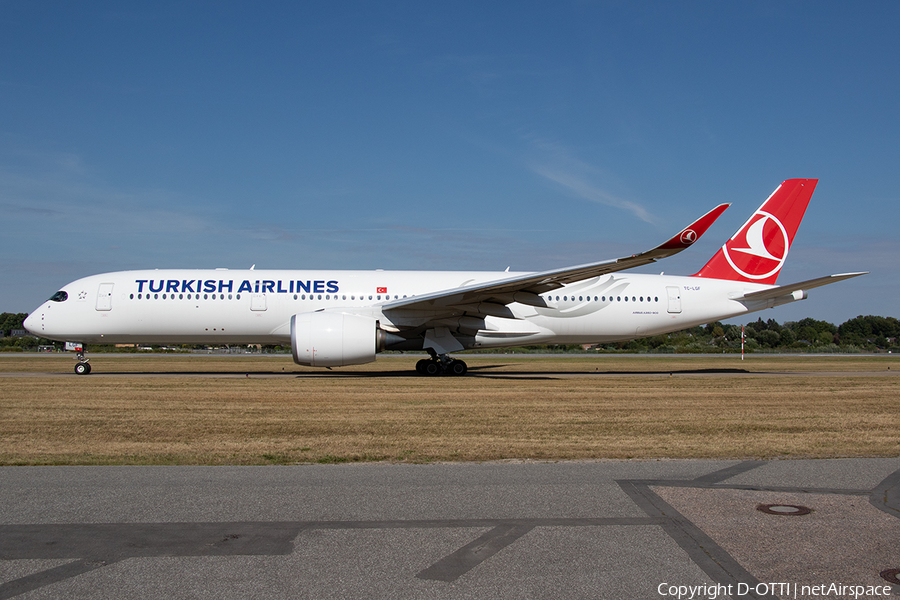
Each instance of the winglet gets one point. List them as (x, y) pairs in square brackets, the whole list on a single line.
[(690, 234), (683, 239)]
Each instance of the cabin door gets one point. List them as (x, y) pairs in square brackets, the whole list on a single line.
[(674, 294), (257, 302), (104, 296)]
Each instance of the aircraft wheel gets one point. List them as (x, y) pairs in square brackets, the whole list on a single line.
[(432, 368), (458, 367), (82, 368), (420, 366)]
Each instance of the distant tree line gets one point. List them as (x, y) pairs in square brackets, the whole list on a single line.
[(10, 322), (860, 334)]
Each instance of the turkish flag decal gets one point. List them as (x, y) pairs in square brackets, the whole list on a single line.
[(381, 290)]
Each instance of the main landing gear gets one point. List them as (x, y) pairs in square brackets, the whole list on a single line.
[(82, 367), (440, 365)]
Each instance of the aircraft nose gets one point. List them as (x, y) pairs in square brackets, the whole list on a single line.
[(33, 323), (29, 322)]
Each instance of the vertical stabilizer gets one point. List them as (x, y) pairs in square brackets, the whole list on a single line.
[(760, 248)]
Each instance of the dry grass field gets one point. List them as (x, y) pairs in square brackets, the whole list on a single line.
[(264, 409)]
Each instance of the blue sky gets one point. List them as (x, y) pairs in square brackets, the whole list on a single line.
[(470, 136)]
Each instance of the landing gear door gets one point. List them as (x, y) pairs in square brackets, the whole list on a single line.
[(104, 296), (674, 294)]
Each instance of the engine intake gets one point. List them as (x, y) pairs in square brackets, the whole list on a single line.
[(332, 339)]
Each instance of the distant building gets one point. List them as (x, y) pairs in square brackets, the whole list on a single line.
[(18, 333)]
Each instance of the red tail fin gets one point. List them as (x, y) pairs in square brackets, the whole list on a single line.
[(758, 250)]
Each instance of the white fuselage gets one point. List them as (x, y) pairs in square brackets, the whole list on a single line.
[(256, 306)]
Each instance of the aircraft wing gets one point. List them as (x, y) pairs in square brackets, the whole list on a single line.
[(784, 290), (525, 288)]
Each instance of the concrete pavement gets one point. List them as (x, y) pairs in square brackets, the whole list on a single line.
[(608, 529)]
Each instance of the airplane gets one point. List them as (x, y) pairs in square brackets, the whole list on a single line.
[(340, 318)]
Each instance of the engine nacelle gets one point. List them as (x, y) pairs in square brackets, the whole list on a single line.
[(332, 339)]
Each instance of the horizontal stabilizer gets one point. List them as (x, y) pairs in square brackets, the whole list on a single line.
[(784, 290)]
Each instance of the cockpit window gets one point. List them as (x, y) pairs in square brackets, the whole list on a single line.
[(59, 296)]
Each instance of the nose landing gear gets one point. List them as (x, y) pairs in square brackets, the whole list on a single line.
[(82, 367)]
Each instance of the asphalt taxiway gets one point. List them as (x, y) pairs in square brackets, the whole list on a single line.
[(610, 529)]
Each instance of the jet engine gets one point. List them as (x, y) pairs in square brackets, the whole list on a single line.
[(333, 339)]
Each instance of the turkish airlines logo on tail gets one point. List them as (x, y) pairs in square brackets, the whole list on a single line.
[(760, 248)]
